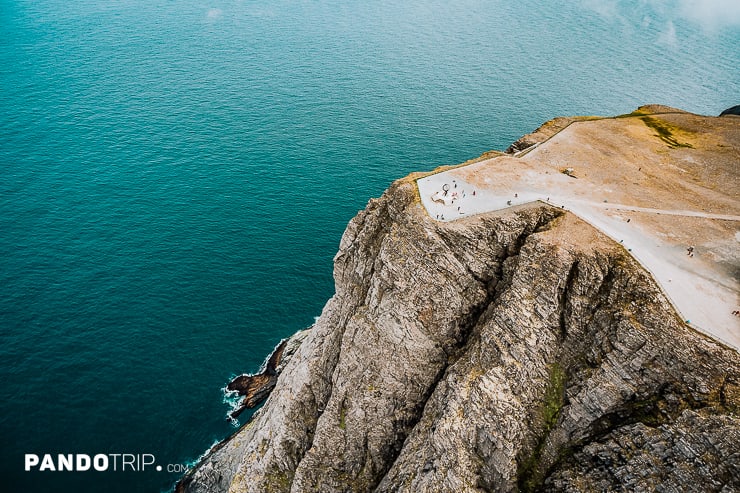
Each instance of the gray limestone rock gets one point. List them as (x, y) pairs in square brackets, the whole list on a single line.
[(512, 351)]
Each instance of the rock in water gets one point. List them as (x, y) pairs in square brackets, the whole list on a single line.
[(256, 388), (735, 110)]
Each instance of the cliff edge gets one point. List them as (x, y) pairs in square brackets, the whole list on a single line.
[(511, 349)]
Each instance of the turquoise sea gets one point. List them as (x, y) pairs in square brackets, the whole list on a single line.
[(175, 178)]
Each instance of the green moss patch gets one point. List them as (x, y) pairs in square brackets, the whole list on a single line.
[(665, 132), (343, 417), (554, 397), (530, 474), (634, 114), (278, 481)]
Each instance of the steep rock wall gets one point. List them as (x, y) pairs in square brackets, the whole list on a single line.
[(509, 351)]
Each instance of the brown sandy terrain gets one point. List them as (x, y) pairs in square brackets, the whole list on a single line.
[(658, 181)]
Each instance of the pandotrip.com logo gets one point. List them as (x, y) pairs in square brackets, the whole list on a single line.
[(97, 462)]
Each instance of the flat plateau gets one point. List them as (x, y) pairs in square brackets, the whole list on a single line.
[(661, 182)]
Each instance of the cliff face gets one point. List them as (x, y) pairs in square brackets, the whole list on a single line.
[(512, 350)]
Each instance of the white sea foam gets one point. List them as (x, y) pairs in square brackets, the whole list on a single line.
[(194, 462), (263, 366), (234, 401)]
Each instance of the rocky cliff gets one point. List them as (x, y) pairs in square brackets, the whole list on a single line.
[(516, 350)]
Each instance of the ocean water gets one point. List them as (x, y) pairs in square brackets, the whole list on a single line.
[(175, 178)]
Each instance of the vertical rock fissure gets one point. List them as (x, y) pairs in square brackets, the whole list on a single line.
[(494, 287), (563, 301), (532, 472), (467, 327)]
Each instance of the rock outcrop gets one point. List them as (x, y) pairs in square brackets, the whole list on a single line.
[(735, 110), (255, 388), (516, 350)]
